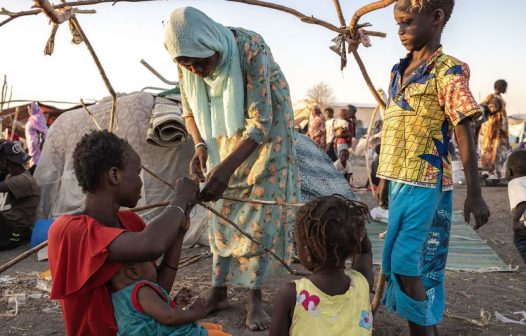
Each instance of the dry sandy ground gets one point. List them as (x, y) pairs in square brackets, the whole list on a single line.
[(468, 293)]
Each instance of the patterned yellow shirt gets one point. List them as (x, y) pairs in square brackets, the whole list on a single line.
[(419, 120)]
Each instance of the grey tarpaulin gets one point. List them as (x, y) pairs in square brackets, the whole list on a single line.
[(318, 175)]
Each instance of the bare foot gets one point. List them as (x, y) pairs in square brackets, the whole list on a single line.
[(217, 300), (257, 317)]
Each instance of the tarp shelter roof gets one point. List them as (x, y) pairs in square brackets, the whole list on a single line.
[(517, 119), (51, 112)]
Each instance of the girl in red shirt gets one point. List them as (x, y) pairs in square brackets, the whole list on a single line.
[(87, 249)]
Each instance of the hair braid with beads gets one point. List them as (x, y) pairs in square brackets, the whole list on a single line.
[(331, 228)]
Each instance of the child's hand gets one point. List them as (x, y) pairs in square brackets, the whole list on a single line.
[(185, 190), (518, 226), (366, 246), (382, 194), (199, 308), (183, 297), (186, 225), (475, 205)]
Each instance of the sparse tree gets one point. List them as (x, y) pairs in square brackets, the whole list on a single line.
[(321, 94)]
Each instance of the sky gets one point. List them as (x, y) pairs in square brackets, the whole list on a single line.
[(489, 37)]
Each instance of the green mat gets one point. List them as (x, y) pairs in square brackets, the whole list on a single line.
[(467, 251)]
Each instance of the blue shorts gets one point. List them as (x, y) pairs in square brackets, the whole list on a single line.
[(416, 244)]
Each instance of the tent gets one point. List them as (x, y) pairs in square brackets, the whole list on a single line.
[(50, 112)]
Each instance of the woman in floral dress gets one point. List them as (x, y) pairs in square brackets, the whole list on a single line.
[(237, 108), (317, 131)]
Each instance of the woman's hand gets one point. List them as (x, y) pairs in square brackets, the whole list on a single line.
[(198, 164), (382, 194), (216, 182)]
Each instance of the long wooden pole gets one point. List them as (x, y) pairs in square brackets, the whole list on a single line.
[(266, 249), (40, 246)]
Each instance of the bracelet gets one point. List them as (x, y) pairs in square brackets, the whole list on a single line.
[(176, 207), (168, 266), (201, 144)]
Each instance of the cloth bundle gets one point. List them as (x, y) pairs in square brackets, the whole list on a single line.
[(167, 128)]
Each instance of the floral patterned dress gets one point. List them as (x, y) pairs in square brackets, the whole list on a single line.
[(317, 131), (270, 173), (493, 138)]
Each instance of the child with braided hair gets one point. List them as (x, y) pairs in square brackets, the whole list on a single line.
[(331, 301)]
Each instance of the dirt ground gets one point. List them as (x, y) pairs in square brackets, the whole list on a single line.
[(467, 293)]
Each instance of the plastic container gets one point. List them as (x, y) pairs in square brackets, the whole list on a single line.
[(40, 231)]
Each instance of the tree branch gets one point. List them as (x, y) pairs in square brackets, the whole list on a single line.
[(339, 12), (14, 15), (301, 16), (77, 26), (370, 85), (367, 9)]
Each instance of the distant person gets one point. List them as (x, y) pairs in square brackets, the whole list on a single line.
[(329, 134), (36, 132), (341, 131), (331, 301), (494, 132), (343, 165), (374, 166), (317, 127), (516, 173), (351, 118), (19, 197)]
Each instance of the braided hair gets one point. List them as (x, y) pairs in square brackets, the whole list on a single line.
[(429, 6), (330, 228), (95, 154)]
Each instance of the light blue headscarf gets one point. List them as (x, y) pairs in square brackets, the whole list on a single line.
[(217, 101)]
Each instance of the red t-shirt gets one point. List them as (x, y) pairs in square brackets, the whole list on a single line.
[(77, 252)]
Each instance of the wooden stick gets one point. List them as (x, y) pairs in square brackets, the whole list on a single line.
[(14, 15), (370, 85), (339, 12), (13, 127), (148, 207), (22, 256), (194, 259), (374, 33), (158, 177), (301, 16), (50, 45), (218, 214), (56, 17), (262, 202), (367, 9), (90, 115), (77, 26), (368, 139), (40, 246), (8, 101), (484, 318), (379, 292), (4, 93)]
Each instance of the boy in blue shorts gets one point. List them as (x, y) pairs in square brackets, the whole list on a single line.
[(429, 100)]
